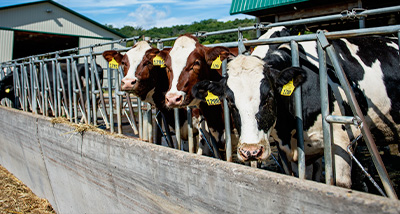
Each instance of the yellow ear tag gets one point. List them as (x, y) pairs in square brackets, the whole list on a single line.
[(288, 89), (212, 99), (158, 61), (113, 64), (8, 90), (216, 63), (299, 33)]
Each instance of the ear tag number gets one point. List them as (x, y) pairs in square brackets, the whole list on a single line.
[(8, 90), (158, 61), (216, 63), (212, 99), (113, 64), (288, 89)]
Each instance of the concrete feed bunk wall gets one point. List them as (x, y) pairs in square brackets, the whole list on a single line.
[(94, 173)]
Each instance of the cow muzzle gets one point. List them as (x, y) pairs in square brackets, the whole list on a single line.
[(248, 152), (128, 84), (174, 100)]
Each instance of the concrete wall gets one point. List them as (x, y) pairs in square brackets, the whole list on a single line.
[(94, 173)]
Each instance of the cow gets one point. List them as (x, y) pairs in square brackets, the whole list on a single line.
[(370, 64), (150, 82), (187, 63)]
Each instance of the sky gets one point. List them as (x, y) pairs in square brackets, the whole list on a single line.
[(146, 13)]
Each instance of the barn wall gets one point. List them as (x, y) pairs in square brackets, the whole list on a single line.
[(95, 173), (58, 21), (6, 45)]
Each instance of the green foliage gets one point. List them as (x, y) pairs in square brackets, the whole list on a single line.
[(208, 25)]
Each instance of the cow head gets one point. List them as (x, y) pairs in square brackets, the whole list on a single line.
[(7, 87), (138, 68), (189, 62), (253, 91)]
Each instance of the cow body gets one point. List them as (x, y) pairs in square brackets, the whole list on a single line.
[(371, 70)]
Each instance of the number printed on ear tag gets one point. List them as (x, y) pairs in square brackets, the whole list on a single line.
[(212, 99), (216, 63), (288, 89), (158, 61), (113, 64)]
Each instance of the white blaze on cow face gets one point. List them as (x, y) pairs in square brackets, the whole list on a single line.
[(244, 80), (135, 56), (261, 50), (179, 55)]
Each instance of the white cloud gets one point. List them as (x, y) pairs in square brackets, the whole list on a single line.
[(147, 16)]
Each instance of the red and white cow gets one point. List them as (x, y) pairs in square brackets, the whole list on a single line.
[(187, 63)]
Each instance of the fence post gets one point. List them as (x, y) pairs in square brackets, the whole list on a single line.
[(299, 115)]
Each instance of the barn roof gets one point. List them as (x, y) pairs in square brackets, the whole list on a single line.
[(69, 10), (246, 6)]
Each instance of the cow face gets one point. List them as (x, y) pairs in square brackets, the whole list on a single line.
[(136, 65), (189, 62), (253, 91)]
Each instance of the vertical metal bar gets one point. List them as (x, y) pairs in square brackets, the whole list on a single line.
[(299, 115), (58, 71), (46, 88), (258, 29), (110, 98), (149, 123), (190, 130), (177, 128), (376, 158), (53, 70), (69, 89), (228, 140), (139, 104), (43, 91), (118, 99), (323, 80), (74, 94), (33, 86), (87, 90), (93, 84), (132, 114), (145, 125)]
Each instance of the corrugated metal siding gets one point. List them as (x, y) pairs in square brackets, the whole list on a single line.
[(245, 6), (35, 18), (6, 45)]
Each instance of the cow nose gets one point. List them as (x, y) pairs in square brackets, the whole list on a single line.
[(173, 99), (127, 84), (249, 152)]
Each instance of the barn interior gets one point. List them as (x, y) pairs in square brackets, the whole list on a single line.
[(39, 43)]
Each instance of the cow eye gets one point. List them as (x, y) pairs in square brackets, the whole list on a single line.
[(197, 62)]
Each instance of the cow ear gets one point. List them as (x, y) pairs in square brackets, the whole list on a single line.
[(109, 55), (215, 52), (289, 77), (200, 90)]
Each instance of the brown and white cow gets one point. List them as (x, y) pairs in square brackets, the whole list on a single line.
[(187, 63), (150, 82)]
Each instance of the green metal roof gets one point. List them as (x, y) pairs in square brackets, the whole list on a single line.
[(246, 6)]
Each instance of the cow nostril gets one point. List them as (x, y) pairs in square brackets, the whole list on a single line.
[(133, 82), (166, 99), (122, 83), (179, 98)]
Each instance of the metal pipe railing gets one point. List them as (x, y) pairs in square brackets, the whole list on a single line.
[(54, 97)]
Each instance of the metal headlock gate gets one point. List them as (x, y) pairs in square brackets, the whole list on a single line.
[(78, 103)]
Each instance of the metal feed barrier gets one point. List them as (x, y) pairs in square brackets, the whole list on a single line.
[(34, 92)]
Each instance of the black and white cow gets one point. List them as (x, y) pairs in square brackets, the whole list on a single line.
[(371, 65)]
